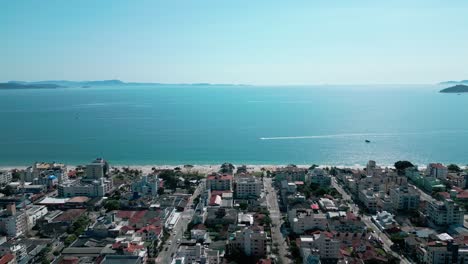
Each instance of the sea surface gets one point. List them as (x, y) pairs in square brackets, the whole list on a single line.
[(183, 124)]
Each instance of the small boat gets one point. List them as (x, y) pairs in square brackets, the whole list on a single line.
[(367, 141)]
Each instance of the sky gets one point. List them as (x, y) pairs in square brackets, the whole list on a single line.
[(242, 41)]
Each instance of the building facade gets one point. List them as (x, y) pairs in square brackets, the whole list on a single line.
[(248, 187), (444, 213), (219, 182), (404, 198), (250, 240)]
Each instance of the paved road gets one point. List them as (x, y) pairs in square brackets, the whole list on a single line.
[(386, 242), (179, 229), (275, 215)]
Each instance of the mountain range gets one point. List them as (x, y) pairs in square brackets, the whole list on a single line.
[(54, 84)]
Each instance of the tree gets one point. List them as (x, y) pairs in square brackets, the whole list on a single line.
[(243, 206), (8, 190), (112, 205), (15, 175), (453, 168), (313, 166), (226, 168), (402, 165), (160, 191)]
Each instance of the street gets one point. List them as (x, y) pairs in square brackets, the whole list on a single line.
[(275, 215), (178, 230), (386, 242)]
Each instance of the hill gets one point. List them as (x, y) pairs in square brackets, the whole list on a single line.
[(460, 88), (18, 85)]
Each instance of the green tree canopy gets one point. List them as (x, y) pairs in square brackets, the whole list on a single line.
[(402, 165), (453, 168)]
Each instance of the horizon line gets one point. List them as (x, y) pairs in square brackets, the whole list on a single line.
[(239, 84)]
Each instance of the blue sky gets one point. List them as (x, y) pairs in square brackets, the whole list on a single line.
[(253, 42)]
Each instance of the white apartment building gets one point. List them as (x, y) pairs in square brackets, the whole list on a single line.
[(437, 170), (218, 182), (13, 223), (318, 176), (404, 198), (5, 177), (321, 245), (198, 254), (302, 220), (40, 171), (35, 212), (96, 188), (369, 198), (251, 240), (97, 169), (94, 184), (247, 186), (444, 213), (148, 185), (439, 252)]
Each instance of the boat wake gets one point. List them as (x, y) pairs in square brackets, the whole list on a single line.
[(375, 135)]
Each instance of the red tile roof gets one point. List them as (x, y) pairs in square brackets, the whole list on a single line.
[(446, 195), (69, 215), (5, 259), (69, 260), (220, 177), (463, 195), (137, 217), (155, 229), (128, 247), (437, 165), (78, 199)]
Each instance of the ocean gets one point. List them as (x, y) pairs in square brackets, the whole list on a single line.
[(183, 124)]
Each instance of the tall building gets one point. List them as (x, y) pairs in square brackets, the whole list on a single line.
[(219, 182), (95, 183), (371, 168), (5, 177), (444, 213), (404, 198), (437, 170), (198, 254), (40, 172), (322, 245), (148, 185), (248, 186), (251, 240), (438, 252), (12, 222), (290, 173), (96, 188), (320, 177), (302, 219), (97, 169)]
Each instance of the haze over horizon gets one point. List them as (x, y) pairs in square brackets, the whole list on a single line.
[(265, 42)]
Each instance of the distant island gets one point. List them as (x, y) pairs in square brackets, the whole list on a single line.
[(54, 84), (17, 85), (454, 82), (460, 88)]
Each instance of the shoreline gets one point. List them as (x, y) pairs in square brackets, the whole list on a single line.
[(209, 168)]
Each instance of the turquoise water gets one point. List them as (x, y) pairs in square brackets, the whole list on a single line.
[(253, 125)]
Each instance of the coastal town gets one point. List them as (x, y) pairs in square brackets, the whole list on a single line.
[(99, 213)]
